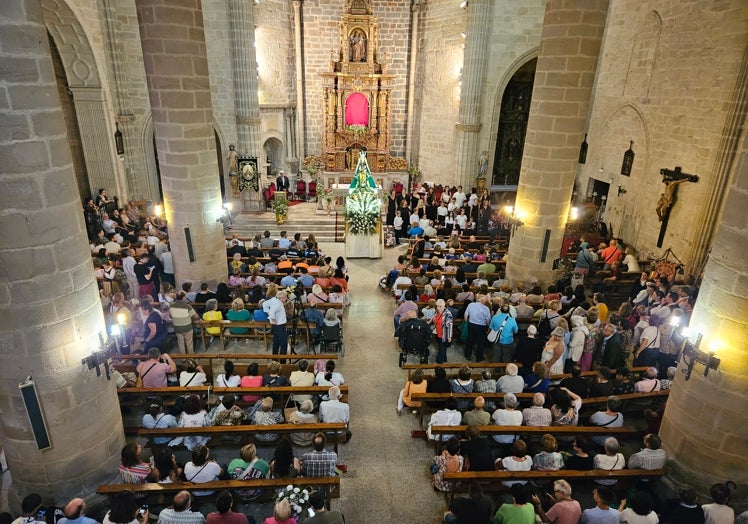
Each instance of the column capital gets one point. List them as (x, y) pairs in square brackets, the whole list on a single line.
[(249, 121), (417, 5)]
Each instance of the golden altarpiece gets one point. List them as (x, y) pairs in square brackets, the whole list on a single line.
[(357, 98)]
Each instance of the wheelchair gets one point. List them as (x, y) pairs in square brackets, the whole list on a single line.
[(331, 340), (414, 340)]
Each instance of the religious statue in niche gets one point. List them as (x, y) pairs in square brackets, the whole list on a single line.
[(233, 160), (357, 46)]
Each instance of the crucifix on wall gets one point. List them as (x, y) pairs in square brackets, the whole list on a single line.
[(671, 178)]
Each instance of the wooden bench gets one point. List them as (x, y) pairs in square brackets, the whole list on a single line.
[(330, 484), (534, 430), (246, 430), (461, 479)]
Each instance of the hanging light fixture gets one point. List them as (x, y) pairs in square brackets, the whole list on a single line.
[(628, 160), (119, 143), (583, 150)]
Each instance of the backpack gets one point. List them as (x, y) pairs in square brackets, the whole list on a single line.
[(544, 326)]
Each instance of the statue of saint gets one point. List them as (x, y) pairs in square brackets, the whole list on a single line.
[(482, 165), (362, 179), (358, 47), (233, 160)]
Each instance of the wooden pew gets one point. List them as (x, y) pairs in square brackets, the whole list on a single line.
[(461, 479), (534, 430), (331, 484), (336, 428)]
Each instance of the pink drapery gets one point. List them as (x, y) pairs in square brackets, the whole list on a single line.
[(357, 110)]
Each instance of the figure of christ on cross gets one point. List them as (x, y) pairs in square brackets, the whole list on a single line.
[(671, 178)]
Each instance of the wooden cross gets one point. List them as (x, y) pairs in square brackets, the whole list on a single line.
[(671, 178)]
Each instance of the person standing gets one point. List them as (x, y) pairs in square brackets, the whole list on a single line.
[(281, 182), (507, 328), (275, 308), (478, 316)]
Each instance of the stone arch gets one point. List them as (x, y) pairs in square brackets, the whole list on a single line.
[(151, 160), (73, 44), (643, 57), (273, 148), (507, 138), (626, 123)]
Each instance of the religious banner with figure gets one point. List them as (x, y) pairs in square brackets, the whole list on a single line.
[(363, 208), (249, 176)]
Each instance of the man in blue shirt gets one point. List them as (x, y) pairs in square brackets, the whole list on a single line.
[(415, 230), (602, 513), (478, 316)]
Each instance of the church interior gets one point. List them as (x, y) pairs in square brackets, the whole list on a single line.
[(574, 115)]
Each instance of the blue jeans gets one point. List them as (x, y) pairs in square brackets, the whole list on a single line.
[(441, 356)]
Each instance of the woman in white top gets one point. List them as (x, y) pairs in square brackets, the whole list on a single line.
[(640, 510), (461, 220), (200, 469), (632, 265), (156, 419), (719, 512), (193, 416), (192, 376), (519, 460), (509, 416)]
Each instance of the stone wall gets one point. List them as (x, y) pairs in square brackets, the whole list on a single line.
[(665, 78), (275, 52), (321, 35), (218, 46)]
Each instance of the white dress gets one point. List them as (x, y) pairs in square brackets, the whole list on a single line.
[(547, 356), (198, 420)]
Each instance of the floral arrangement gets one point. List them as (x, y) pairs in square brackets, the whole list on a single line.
[(362, 210), (298, 497), (357, 129), (414, 173), (280, 207), (326, 194)]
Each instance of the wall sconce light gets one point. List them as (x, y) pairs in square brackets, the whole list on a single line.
[(512, 219), (119, 143), (464, 4), (583, 150), (621, 190), (692, 354), (225, 214), (157, 210), (628, 160), (107, 349), (574, 213)]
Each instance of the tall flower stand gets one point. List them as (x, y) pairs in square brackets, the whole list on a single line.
[(364, 246)]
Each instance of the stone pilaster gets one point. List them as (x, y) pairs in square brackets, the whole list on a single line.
[(245, 90), (299, 54), (704, 425), (97, 138), (569, 47), (469, 125), (179, 89), (49, 302), (415, 11)]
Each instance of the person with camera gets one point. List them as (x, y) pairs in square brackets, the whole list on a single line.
[(275, 307), (153, 371)]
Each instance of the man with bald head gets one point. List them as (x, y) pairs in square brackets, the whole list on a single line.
[(478, 316), (180, 512), (75, 513)]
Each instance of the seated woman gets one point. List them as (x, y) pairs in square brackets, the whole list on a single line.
[(157, 419), (450, 460), (477, 450), (132, 469), (223, 294), (212, 314), (339, 279), (251, 380), (202, 469), (582, 457), (265, 416), (273, 378), (193, 416), (284, 464), (236, 279), (332, 318), (238, 312), (303, 415), (549, 459), (610, 460), (519, 460), (254, 279), (428, 293), (508, 416), (463, 384), (248, 466), (565, 410), (228, 379), (166, 465), (317, 296), (282, 513), (416, 384), (192, 376), (337, 296), (537, 381), (237, 263)]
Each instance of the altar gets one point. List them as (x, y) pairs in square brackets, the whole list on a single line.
[(340, 193)]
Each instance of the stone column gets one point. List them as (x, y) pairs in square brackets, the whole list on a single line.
[(300, 150), (569, 48), (409, 146), (468, 121), (97, 139), (49, 301), (244, 64), (176, 68), (703, 429)]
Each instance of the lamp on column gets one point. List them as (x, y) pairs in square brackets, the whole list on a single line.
[(583, 150), (628, 160), (119, 143), (512, 219), (107, 348), (691, 354)]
